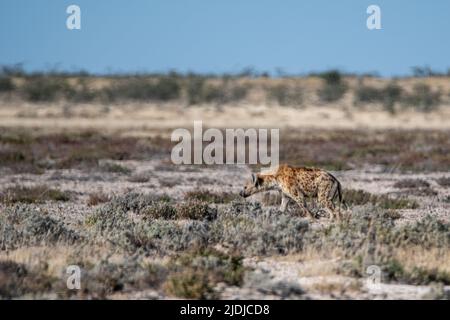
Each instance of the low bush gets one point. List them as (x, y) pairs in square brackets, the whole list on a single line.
[(161, 89), (334, 87), (247, 228), (6, 84), (195, 210), (443, 181), (370, 237), (388, 96), (361, 197), (35, 194), (22, 225), (45, 89), (97, 198), (195, 274), (286, 95), (17, 281), (422, 98), (210, 197), (113, 222)]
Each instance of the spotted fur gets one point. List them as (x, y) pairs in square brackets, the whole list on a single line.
[(298, 184)]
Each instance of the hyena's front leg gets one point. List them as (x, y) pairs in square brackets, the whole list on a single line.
[(284, 202), (301, 201)]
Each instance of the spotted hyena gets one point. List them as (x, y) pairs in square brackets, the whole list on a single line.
[(299, 183)]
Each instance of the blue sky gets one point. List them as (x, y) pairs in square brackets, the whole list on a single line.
[(226, 35)]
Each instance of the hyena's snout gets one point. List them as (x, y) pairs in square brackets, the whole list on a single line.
[(243, 194), (247, 191), (251, 187)]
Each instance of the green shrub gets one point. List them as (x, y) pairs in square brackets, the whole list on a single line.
[(237, 93), (331, 77), (286, 95), (422, 98), (195, 274), (195, 90), (334, 87), (142, 89), (388, 95), (392, 93), (212, 93), (45, 89), (6, 84), (199, 91), (81, 93)]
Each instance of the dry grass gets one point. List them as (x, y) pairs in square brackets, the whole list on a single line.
[(97, 198), (444, 181), (420, 257), (25, 152), (136, 242), (395, 150), (35, 194), (209, 196), (361, 197), (336, 287), (411, 183)]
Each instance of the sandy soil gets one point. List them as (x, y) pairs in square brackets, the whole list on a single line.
[(138, 119)]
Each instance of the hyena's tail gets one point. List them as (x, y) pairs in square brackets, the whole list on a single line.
[(338, 193)]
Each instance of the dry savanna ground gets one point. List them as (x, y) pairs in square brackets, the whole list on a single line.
[(91, 184)]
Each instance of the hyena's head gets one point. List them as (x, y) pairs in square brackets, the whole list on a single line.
[(255, 185)]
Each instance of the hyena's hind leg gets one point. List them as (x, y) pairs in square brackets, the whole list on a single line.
[(284, 202), (325, 197)]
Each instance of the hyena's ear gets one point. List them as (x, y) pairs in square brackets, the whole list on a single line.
[(256, 180)]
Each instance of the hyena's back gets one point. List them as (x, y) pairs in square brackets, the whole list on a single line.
[(306, 180)]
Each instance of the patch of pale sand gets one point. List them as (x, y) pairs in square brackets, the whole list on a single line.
[(315, 276), (155, 118), (324, 283), (56, 258), (148, 294), (387, 291)]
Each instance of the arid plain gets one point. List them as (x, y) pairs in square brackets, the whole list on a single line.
[(87, 180)]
